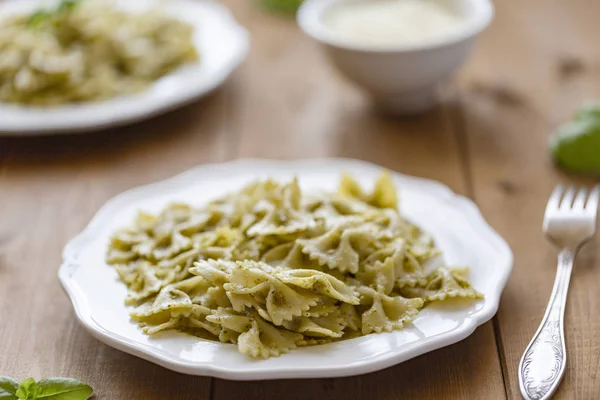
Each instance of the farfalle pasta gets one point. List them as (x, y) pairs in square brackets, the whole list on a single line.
[(270, 268)]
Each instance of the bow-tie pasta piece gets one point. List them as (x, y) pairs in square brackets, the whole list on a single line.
[(172, 245), (228, 336), (116, 256), (323, 308), (392, 224), (336, 209), (239, 206), (122, 245), (164, 247), (200, 221), (443, 283), (265, 340), (173, 214), (383, 196), (222, 237), (145, 222), (194, 320), (386, 313), (175, 269), (254, 248), (173, 307), (320, 283), (389, 267), (182, 261), (281, 215), (331, 326), (282, 302), (214, 297), (255, 337), (287, 255), (242, 297), (341, 248), (169, 298), (217, 272), (217, 244), (231, 324), (182, 219), (125, 239), (350, 317), (141, 276), (229, 319), (422, 247)]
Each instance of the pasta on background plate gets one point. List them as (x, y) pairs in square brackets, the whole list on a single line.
[(270, 268), (88, 51)]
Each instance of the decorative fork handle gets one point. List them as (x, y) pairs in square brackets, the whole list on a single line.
[(543, 364)]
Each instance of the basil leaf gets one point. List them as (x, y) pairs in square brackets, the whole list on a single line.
[(589, 110), (67, 5), (27, 389), (8, 388), (62, 389), (285, 6), (575, 145), (37, 18)]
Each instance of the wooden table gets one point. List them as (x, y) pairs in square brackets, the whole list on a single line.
[(487, 140)]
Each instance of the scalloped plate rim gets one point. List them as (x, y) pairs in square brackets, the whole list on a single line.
[(468, 207)]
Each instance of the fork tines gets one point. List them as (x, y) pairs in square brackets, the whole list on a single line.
[(575, 200)]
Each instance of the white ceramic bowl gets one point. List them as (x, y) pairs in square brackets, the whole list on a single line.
[(400, 79)]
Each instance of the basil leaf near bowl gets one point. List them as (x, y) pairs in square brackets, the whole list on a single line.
[(575, 146), (282, 6)]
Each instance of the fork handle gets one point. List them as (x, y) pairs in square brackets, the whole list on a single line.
[(543, 363)]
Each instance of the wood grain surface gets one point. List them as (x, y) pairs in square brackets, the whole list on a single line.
[(487, 140), (532, 69)]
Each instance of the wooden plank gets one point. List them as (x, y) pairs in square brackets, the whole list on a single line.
[(533, 67), (49, 189), (292, 105)]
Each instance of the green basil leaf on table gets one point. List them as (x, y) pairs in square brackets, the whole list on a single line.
[(576, 144), (62, 389), (45, 389), (8, 388), (27, 389)]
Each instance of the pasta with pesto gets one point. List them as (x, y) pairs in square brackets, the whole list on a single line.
[(270, 268)]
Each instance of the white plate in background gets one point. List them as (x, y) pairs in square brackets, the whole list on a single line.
[(222, 44), (455, 222)]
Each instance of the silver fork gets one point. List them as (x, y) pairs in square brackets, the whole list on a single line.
[(569, 222)]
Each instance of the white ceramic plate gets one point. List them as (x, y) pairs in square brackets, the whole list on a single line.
[(460, 231), (221, 42)]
